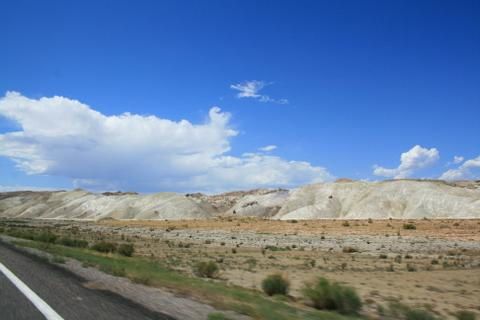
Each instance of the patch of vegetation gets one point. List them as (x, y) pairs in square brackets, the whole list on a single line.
[(411, 267), (418, 314), (349, 249), (346, 223), (126, 249), (206, 269), (58, 259), (69, 242), (46, 237), (114, 269), (398, 310), (275, 284), (104, 247), (217, 316), (252, 263), (332, 296), (465, 315), (409, 226), (142, 279), (275, 248)]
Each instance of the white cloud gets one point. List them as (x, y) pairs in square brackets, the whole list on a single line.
[(268, 148), (64, 137), (410, 162), (251, 89), (458, 159), (470, 169)]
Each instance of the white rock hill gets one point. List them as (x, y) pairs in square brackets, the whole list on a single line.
[(409, 199)]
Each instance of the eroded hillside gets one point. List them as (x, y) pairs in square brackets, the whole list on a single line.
[(344, 199)]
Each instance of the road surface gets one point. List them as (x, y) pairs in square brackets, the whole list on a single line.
[(61, 291)]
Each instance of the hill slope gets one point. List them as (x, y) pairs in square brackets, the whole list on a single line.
[(342, 200)]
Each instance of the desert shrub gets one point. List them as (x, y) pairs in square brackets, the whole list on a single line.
[(58, 259), (349, 249), (46, 237), (465, 315), (17, 233), (383, 256), (2, 230), (411, 268), (87, 264), (332, 296), (346, 223), (206, 269), (125, 249), (417, 314), (275, 284), (370, 220), (217, 316), (69, 242), (275, 248), (113, 270), (141, 279), (409, 226), (104, 247)]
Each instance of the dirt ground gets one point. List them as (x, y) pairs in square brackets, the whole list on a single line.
[(434, 265), (445, 229)]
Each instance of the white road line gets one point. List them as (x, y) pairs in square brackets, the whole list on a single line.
[(41, 305)]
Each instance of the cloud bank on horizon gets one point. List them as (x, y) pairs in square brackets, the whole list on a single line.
[(64, 137)]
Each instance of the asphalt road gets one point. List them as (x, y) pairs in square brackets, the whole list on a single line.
[(62, 291)]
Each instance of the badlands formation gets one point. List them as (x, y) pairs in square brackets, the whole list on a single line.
[(344, 199)]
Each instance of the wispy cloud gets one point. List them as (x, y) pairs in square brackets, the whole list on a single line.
[(458, 159), (268, 148), (251, 89)]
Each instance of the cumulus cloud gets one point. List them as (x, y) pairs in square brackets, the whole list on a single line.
[(251, 89), (469, 170), (410, 162), (64, 137), (268, 148)]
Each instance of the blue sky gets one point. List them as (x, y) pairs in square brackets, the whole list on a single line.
[(339, 85)]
